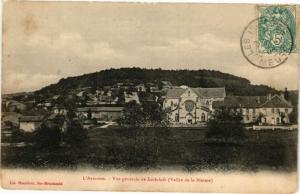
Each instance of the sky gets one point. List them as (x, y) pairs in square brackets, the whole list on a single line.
[(46, 41)]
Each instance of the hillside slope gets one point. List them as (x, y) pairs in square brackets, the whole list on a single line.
[(194, 78)]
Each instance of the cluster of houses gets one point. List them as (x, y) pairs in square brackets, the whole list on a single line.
[(184, 106)]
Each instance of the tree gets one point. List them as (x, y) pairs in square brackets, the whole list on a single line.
[(154, 115), (89, 114), (75, 135), (225, 126), (160, 85), (146, 130), (293, 116), (48, 136), (156, 118), (133, 116)]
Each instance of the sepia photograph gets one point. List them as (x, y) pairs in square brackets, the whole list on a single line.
[(165, 97)]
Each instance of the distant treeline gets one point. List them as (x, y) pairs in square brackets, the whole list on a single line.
[(194, 78)]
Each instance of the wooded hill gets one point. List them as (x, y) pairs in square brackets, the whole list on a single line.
[(194, 78)]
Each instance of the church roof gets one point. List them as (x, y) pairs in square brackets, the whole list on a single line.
[(210, 92), (201, 92), (175, 92), (31, 118)]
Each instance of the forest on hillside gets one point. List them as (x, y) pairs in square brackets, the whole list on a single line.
[(234, 85)]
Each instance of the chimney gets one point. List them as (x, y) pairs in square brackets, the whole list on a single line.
[(282, 96), (286, 94)]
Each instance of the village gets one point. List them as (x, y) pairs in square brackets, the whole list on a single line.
[(183, 106)]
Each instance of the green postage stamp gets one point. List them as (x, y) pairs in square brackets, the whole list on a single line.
[(277, 29), (268, 40)]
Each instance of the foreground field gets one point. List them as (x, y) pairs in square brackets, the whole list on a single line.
[(177, 148)]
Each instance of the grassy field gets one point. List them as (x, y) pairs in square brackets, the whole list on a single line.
[(180, 148)]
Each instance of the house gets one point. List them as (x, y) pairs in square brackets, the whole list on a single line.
[(30, 123), (60, 110), (267, 110), (13, 106), (140, 88), (55, 97), (101, 113), (47, 105), (166, 85), (106, 98), (191, 105), (153, 87), (131, 96), (10, 119), (80, 94)]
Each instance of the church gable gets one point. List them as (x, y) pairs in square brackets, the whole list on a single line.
[(189, 93)]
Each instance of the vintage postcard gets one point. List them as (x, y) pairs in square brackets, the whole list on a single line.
[(169, 97)]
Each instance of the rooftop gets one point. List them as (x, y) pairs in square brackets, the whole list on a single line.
[(31, 118), (252, 102), (201, 92), (101, 109)]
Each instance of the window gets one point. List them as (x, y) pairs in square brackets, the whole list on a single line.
[(273, 110), (247, 110), (247, 118), (171, 103), (207, 102), (254, 110), (203, 117), (189, 106), (189, 93), (177, 117), (286, 110), (278, 110)]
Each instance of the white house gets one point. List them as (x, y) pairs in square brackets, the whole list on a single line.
[(133, 96), (140, 88), (191, 105), (30, 123), (269, 110)]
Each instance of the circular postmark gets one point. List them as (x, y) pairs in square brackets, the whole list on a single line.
[(266, 43)]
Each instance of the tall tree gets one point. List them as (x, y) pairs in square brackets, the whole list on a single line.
[(225, 126), (133, 115)]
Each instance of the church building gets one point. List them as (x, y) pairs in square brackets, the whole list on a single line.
[(191, 105)]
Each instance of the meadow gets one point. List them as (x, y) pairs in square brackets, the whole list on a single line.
[(149, 148)]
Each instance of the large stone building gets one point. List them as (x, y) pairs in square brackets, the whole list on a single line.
[(269, 110), (102, 113), (191, 105)]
